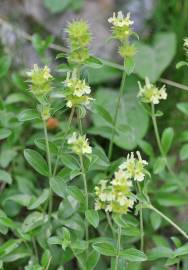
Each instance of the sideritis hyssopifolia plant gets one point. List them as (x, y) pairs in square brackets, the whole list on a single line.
[(85, 216)]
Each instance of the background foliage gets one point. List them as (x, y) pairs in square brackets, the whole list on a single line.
[(23, 167)]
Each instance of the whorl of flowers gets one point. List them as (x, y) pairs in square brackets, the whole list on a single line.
[(79, 144), (76, 91), (122, 31), (40, 81), (149, 93), (134, 168), (116, 195), (79, 38)]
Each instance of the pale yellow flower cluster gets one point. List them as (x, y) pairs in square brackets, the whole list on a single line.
[(77, 92), (79, 144), (134, 168), (122, 31), (116, 196), (149, 93), (120, 20)]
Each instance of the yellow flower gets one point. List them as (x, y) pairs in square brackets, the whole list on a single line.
[(77, 87), (79, 144), (121, 26), (114, 196), (76, 92), (120, 20), (134, 168), (47, 74), (149, 93)]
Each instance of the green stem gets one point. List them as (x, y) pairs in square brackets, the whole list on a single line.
[(86, 192), (156, 129), (178, 265), (153, 116), (50, 206), (62, 145), (116, 113), (110, 222), (79, 122), (169, 221), (48, 265), (35, 248), (141, 221), (118, 247), (83, 176)]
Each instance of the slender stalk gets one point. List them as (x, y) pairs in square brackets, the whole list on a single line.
[(182, 232), (118, 247), (141, 220), (48, 265), (62, 145), (161, 149), (156, 129), (178, 265), (50, 205), (141, 229), (86, 192), (35, 248), (116, 113), (79, 122), (158, 139), (110, 222)]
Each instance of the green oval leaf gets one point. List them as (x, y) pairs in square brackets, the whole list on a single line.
[(105, 248), (151, 61), (5, 177), (36, 161), (94, 62), (28, 115), (133, 255), (92, 217), (167, 138), (4, 133), (5, 62), (36, 202), (183, 107), (184, 152)]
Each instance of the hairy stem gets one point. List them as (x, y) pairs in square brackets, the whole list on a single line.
[(83, 176), (118, 247), (141, 220), (182, 232), (86, 192), (79, 122), (110, 150), (62, 145), (48, 155)]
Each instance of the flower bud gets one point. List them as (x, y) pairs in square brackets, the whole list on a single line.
[(78, 34), (40, 79)]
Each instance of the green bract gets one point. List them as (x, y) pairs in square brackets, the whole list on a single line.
[(40, 79), (79, 38)]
